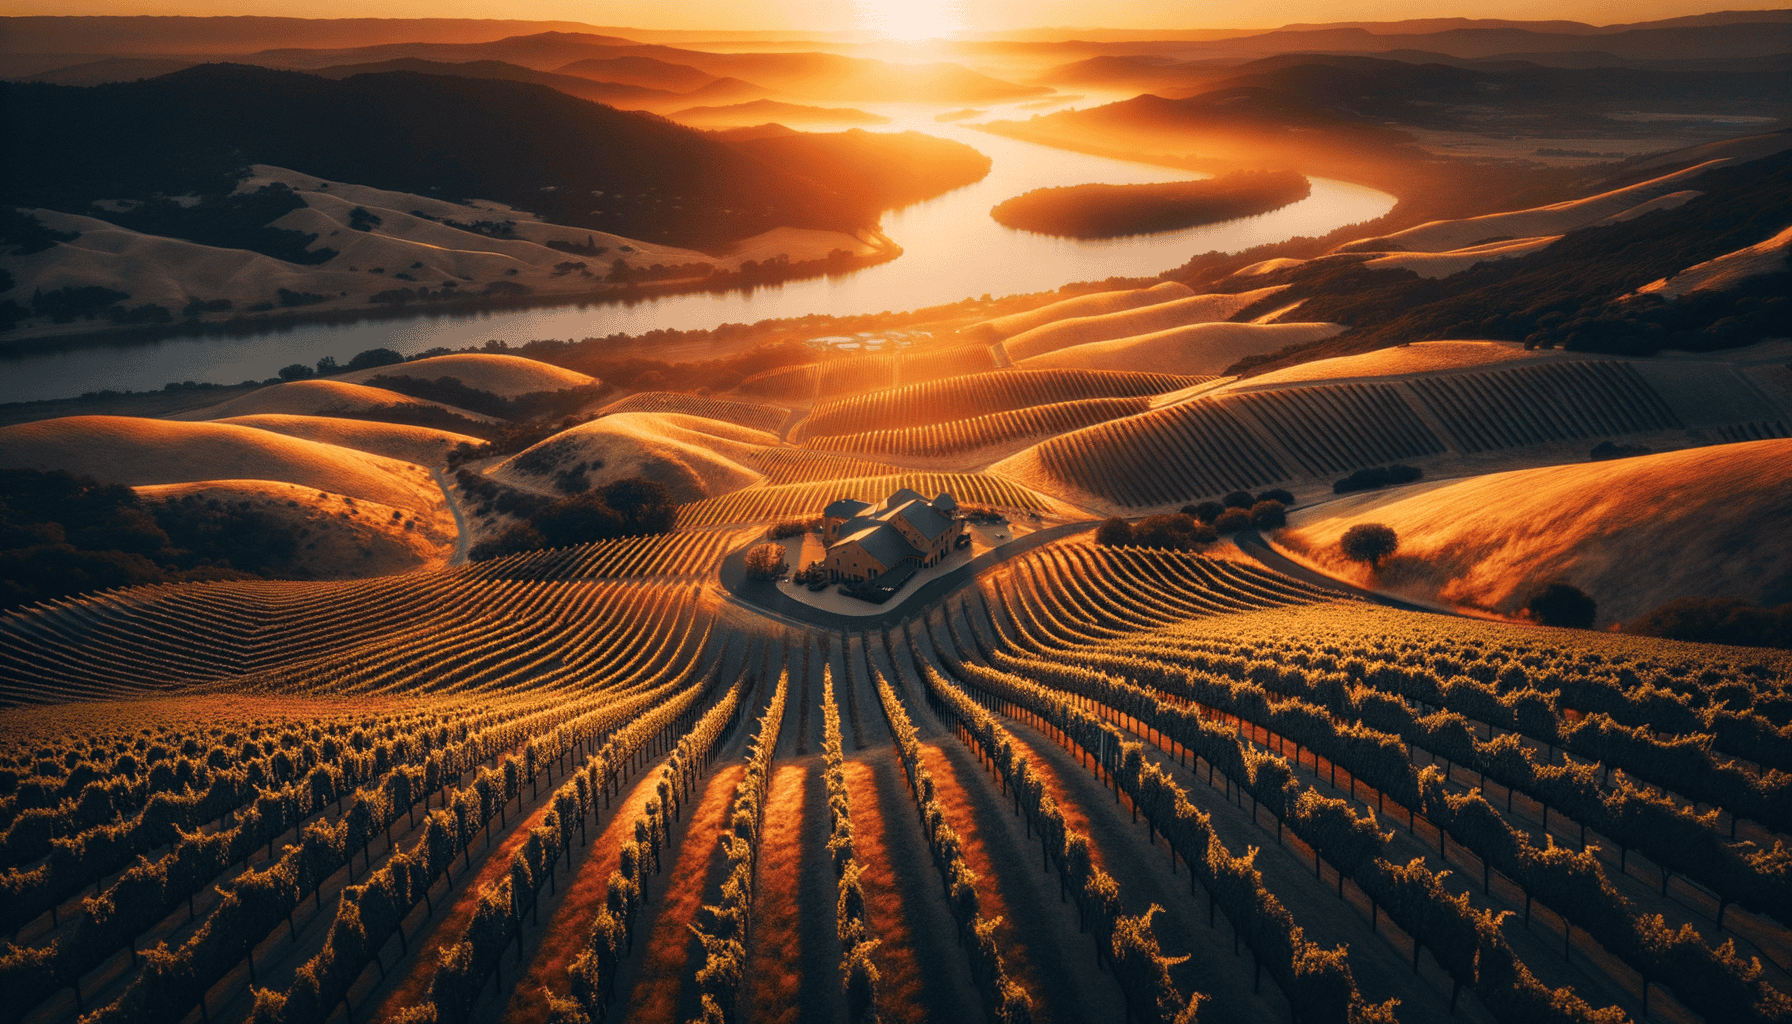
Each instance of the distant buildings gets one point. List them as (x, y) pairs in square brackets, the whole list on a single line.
[(865, 542)]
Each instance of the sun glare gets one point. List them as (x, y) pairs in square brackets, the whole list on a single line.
[(910, 19)]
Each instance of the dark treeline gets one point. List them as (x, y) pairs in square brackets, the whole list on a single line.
[(62, 535), (622, 508), (1111, 211)]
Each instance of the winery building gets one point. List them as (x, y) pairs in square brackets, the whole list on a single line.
[(867, 541)]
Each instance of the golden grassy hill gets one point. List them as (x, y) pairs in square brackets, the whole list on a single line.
[(317, 398), (1127, 323), (1536, 222), (1082, 305), (340, 537), (137, 452), (1728, 270), (694, 457), (1633, 533), (1196, 350), (506, 376), (425, 446)]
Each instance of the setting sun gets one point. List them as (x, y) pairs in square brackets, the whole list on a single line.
[(910, 19)]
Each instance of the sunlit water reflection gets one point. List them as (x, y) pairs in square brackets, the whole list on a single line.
[(952, 250)]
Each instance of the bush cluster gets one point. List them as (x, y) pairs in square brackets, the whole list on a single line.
[(765, 562), (1196, 526), (1606, 450), (1560, 604), (1375, 477), (62, 535), (623, 508), (1718, 620)]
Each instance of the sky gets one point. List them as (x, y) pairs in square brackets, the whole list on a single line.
[(901, 18)]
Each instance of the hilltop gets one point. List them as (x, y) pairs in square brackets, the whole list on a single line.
[(1632, 533)]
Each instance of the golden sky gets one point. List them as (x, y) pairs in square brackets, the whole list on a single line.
[(900, 18)]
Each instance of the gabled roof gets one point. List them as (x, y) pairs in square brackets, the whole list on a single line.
[(884, 543), (898, 499), (845, 508), (920, 515)]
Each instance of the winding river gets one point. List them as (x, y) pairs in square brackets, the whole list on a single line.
[(952, 250)]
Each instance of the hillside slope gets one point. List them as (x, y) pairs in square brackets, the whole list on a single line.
[(137, 452), (522, 144), (1632, 533)]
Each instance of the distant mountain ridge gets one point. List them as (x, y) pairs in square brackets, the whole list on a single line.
[(523, 144)]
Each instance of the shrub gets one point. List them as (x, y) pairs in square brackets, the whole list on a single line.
[(1238, 499), (1276, 494), (1718, 620), (787, 529), (1233, 520), (1559, 604), (1377, 476), (766, 562), (1175, 532), (1207, 511), (1269, 514), (373, 357), (297, 371), (1114, 533), (1369, 542), (623, 508)]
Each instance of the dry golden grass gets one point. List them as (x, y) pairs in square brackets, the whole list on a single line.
[(1455, 261), (506, 376), (136, 452), (1082, 330), (1419, 357), (1632, 533), (1083, 305), (1195, 350), (1728, 270), (694, 457), (316, 398), (1554, 219), (339, 538), (744, 414), (425, 446)]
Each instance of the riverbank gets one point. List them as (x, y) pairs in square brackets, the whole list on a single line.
[(953, 254), (774, 269)]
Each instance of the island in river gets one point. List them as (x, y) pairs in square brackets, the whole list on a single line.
[(1114, 211)]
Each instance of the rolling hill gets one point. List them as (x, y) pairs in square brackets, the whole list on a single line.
[(768, 111), (518, 143), (615, 94), (1632, 533)]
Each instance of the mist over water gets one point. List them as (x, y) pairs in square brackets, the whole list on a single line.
[(953, 250)]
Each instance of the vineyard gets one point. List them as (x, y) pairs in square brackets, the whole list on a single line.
[(742, 414), (968, 397), (1095, 783), (787, 501), (1001, 430), (1166, 456), (1053, 781), (1506, 408), (808, 383), (1204, 445)]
